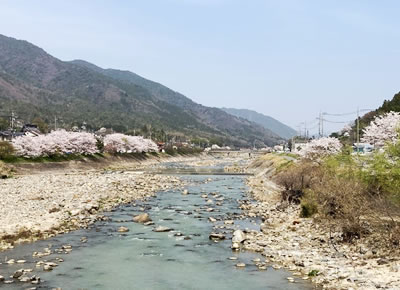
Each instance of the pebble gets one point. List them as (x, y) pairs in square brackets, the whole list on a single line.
[(123, 229), (290, 279), (211, 219), (160, 229), (142, 218), (217, 236), (235, 246), (18, 273)]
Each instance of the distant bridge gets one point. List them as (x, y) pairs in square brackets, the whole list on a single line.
[(247, 152)]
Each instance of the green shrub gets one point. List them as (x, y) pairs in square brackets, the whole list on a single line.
[(313, 273), (308, 209), (6, 150), (99, 144)]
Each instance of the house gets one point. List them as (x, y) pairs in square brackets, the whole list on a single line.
[(27, 130), (9, 135), (5, 135), (363, 148), (30, 130)]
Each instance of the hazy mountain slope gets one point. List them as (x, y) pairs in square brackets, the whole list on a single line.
[(33, 83), (32, 79), (266, 121), (213, 117)]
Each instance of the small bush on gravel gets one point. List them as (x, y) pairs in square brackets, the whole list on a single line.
[(6, 150), (308, 208), (5, 171), (296, 180)]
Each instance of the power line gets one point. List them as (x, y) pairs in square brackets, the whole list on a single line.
[(347, 114), (337, 122)]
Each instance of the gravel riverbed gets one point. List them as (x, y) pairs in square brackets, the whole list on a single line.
[(42, 205)]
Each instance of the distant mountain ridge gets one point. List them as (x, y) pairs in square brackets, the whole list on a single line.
[(36, 84), (267, 122)]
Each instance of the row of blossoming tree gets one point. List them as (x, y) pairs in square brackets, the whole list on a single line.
[(382, 131), (62, 142)]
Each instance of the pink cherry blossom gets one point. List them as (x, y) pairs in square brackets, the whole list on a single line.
[(382, 129), (56, 142), (120, 143), (321, 147)]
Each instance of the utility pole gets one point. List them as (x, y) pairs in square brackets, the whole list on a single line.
[(12, 124), (55, 123), (305, 130), (322, 124), (12, 121), (319, 125), (358, 129)]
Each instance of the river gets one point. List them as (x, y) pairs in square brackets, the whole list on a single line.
[(184, 258)]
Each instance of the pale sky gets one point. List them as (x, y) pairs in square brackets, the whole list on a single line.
[(286, 59)]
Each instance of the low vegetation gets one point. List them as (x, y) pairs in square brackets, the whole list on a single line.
[(354, 194)]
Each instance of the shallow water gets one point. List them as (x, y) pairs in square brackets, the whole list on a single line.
[(145, 259)]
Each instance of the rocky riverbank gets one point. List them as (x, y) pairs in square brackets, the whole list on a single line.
[(309, 250), (43, 205), (45, 199)]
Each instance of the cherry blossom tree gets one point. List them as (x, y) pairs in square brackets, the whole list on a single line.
[(120, 143), (57, 142), (321, 147), (382, 129)]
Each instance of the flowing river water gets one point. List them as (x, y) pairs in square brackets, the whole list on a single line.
[(184, 258)]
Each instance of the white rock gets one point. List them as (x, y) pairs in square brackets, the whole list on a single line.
[(238, 236)]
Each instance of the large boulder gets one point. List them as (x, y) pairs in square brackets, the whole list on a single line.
[(238, 236), (142, 218)]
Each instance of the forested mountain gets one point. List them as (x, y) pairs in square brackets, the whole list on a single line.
[(35, 84), (266, 121)]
